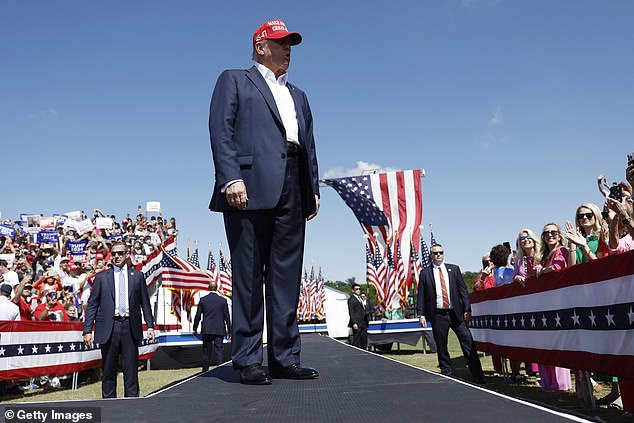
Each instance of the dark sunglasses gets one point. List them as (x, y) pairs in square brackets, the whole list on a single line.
[(118, 253), (438, 253), (586, 215), (551, 233), (524, 237)]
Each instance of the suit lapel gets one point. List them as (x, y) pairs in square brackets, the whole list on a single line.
[(301, 125), (258, 80), (131, 279), (110, 281)]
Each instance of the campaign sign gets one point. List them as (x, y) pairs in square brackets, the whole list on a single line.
[(48, 237), (10, 258), (47, 223), (61, 219), (153, 206), (76, 248), (104, 223), (85, 226), (75, 215), (7, 231), (118, 237)]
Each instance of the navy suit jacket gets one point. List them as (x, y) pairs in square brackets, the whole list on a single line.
[(215, 313), (100, 310), (248, 141), (457, 292)]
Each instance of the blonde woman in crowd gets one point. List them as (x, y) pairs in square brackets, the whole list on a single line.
[(554, 257), (527, 258), (587, 237)]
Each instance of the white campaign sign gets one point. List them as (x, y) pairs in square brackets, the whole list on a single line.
[(104, 223), (153, 206)]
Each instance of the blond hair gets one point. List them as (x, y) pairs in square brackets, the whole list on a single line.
[(545, 251), (598, 219), (519, 255)]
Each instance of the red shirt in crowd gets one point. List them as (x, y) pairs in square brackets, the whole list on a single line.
[(56, 314)]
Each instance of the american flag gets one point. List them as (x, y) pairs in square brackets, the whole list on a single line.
[(380, 263), (305, 294), (212, 269), (401, 276), (370, 270), (390, 204), (321, 295), (176, 303), (170, 246), (431, 232), (425, 259), (193, 259), (313, 292), (415, 265), (226, 278), (179, 274), (392, 279)]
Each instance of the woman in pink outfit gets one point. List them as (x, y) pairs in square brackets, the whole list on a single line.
[(554, 257)]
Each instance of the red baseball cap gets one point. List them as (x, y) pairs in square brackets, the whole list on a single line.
[(274, 30)]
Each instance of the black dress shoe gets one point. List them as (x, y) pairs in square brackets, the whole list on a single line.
[(254, 375), (295, 372)]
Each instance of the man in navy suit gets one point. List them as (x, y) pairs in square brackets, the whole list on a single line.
[(444, 301), (118, 297), (216, 324), (267, 186)]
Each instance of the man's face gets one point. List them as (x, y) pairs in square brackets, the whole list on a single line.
[(64, 266), (277, 55), (119, 255), (437, 255)]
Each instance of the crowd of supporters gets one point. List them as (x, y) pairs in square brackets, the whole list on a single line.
[(51, 281), (594, 234)]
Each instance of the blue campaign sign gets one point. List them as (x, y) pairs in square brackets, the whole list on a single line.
[(76, 248), (47, 237), (7, 231)]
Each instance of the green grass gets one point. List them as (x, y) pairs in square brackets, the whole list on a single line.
[(154, 380), (90, 386)]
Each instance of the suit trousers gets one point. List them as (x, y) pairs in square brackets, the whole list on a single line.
[(360, 337), (443, 320), (212, 346), (122, 343), (267, 248)]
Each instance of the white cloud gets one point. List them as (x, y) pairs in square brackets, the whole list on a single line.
[(362, 168), (496, 118)]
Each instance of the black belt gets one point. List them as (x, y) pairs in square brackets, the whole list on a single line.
[(293, 149), (121, 318)]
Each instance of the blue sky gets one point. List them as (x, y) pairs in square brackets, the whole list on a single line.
[(512, 108)]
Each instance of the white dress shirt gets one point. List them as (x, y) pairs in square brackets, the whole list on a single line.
[(118, 271), (442, 269), (283, 101)]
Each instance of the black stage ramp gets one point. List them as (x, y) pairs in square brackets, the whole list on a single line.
[(354, 385)]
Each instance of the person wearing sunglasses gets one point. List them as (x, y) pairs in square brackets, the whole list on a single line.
[(554, 257), (527, 258), (444, 300), (586, 237)]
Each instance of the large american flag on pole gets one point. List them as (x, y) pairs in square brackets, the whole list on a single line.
[(389, 204), (580, 318)]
